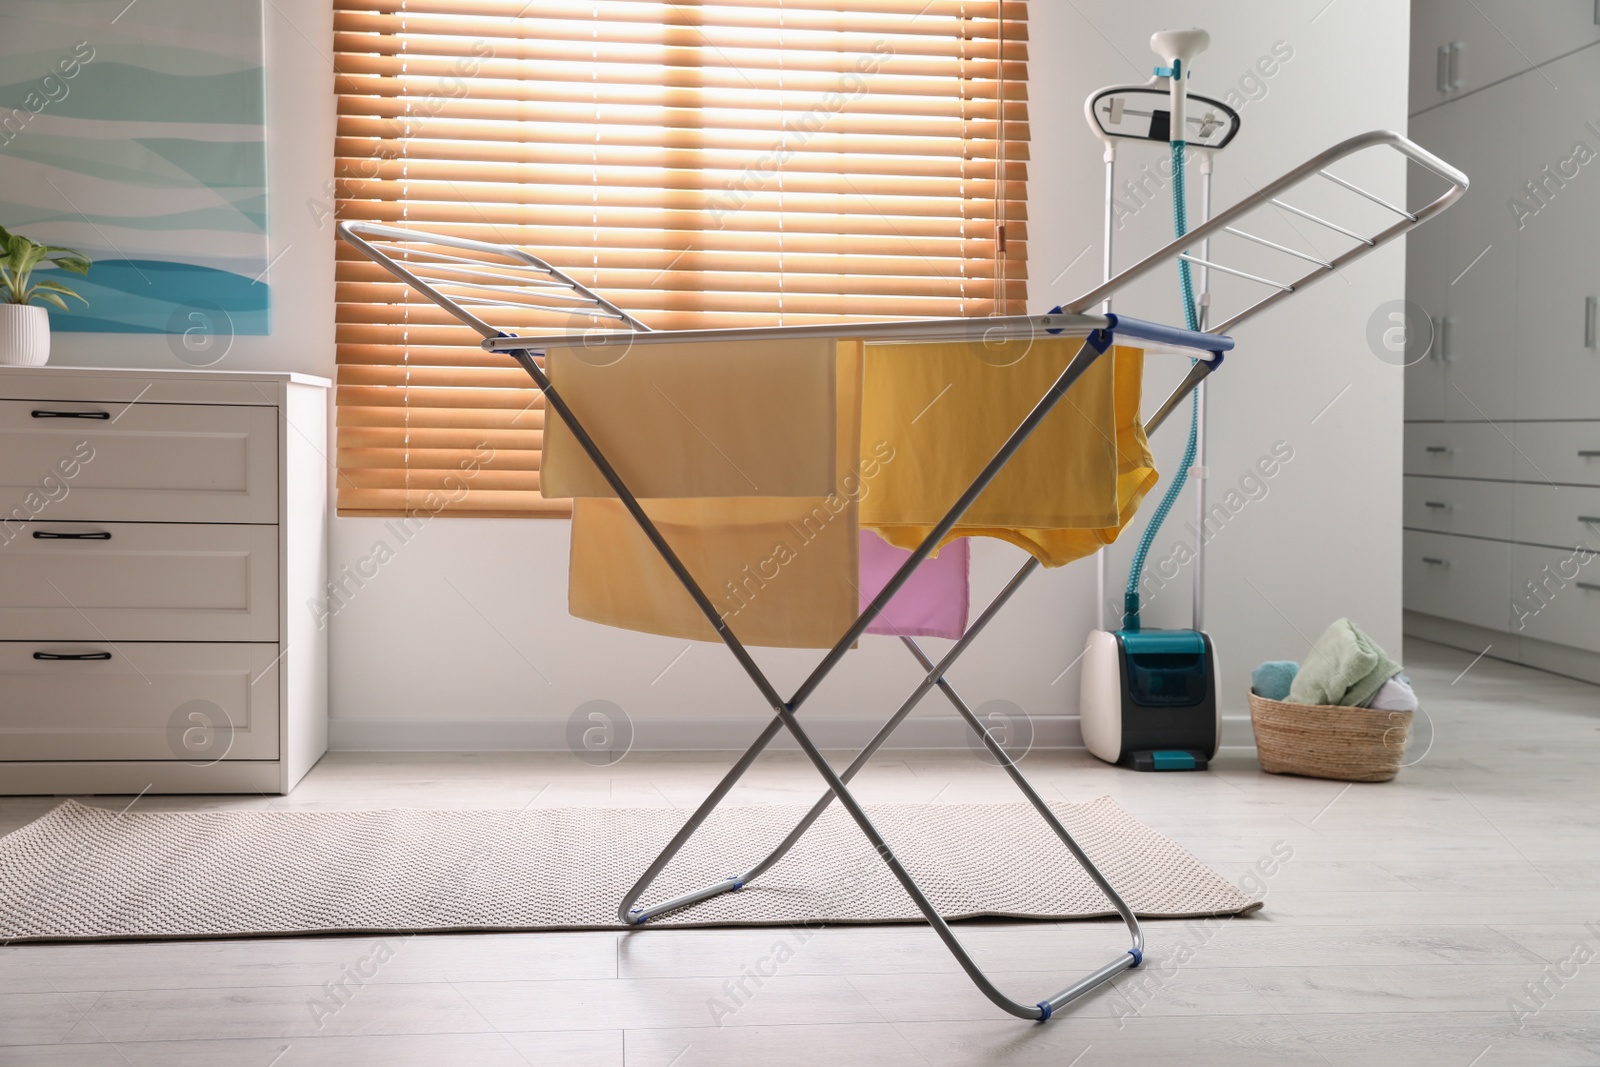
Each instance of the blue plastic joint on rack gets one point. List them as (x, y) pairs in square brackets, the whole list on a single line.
[(1144, 330), (1138, 956), (1045, 1011)]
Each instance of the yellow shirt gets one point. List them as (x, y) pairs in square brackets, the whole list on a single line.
[(946, 408)]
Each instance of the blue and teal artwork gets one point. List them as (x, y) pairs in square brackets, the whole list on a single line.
[(135, 132)]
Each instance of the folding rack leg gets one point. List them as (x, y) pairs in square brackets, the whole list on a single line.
[(1093, 346)]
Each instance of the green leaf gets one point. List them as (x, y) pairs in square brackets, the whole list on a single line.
[(75, 262), (49, 286), (24, 262), (51, 298), (15, 246)]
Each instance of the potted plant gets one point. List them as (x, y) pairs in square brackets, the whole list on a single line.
[(24, 322)]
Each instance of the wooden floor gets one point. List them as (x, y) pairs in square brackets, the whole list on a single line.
[(1441, 919)]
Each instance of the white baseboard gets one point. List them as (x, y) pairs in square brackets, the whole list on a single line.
[(664, 735), (931, 732), (1513, 648)]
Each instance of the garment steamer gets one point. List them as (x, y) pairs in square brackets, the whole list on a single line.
[(1148, 698)]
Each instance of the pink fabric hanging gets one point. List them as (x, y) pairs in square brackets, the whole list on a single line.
[(933, 603)]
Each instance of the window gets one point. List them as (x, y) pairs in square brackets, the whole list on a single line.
[(747, 162)]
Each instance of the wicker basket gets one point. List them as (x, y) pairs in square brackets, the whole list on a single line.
[(1323, 741)]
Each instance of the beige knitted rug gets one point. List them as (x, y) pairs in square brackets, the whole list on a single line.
[(93, 873)]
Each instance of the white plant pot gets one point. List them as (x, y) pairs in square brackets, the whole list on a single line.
[(24, 335)]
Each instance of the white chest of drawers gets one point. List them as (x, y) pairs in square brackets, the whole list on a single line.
[(161, 535)]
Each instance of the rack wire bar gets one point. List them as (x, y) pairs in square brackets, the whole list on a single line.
[(1197, 261), (1279, 248), (1380, 201), (1319, 220), (1098, 332)]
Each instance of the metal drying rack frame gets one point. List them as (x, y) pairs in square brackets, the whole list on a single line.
[(494, 278)]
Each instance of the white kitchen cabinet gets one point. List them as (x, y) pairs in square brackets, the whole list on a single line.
[(1459, 450), (1557, 289), (1491, 40), (1502, 460), (1556, 595), (1460, 505), (1556, 516), (1427, 284), (1466, 579), (1479, 273)]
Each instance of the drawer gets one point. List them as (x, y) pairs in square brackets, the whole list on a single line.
[(1559, 516), (1459, 449), (1459, 505), (192, 702), (138, 462), (1458, 578), (138, 581), (1556, 595), (1560, 452)]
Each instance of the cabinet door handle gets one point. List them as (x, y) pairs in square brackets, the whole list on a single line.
[(72, 414), (1588, 453), (1592, 587), (1435, 561), (1439, 504), (1587, 519), (1439, 449), (72, 657), (88, 535), (1441, 75), (1455, 64), (1590, 306)]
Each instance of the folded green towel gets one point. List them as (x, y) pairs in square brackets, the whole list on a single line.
[(1273, 678), (1345, 667)]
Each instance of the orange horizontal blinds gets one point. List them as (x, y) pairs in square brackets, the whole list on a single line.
[(748, 162)]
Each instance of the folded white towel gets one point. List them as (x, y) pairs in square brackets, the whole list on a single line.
[(1395, 695)]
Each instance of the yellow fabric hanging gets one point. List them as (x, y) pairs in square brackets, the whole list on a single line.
[(781, 570), (691, 419), (946, 408)]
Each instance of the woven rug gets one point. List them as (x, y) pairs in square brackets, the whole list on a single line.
[(92, 873)]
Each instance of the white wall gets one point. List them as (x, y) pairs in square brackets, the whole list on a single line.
[(462, 641)]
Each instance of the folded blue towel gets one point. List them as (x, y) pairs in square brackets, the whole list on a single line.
[(1273, 678)]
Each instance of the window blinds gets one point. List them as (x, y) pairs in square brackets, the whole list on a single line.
[(748, 162)]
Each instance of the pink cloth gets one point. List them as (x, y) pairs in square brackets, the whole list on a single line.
[(933, 603)]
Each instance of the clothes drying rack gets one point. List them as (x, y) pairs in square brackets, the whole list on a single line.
[(501, 281)]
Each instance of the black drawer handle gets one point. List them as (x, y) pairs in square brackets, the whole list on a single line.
[(1426, 503), (1588, 453), (1586, 519), (1587, 585), (72, 657), (1435, 561), (72, 414), (88, 535), (1436, 448)]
